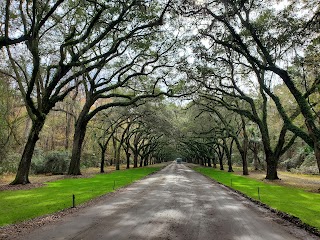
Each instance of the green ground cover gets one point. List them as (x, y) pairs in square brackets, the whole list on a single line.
[(19, 205), (297, 202)]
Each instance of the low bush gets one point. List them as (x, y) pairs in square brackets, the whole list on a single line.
[(89, 159), (56, 162), (10, 163)]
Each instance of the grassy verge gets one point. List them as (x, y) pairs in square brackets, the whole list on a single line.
[(299, 203), (20, 205)]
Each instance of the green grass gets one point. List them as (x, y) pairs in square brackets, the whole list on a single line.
[(299, 203), (16, 206)]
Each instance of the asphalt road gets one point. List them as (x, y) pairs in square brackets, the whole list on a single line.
[(175, 203)]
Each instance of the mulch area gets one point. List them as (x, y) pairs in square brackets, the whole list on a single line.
[(37, 181), (20, 186)]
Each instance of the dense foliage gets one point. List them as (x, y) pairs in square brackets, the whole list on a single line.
[(87, 83)]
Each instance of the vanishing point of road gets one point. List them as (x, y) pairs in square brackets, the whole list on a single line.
[(175, 203)]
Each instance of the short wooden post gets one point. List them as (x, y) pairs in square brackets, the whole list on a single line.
[(73, 201), (259, 193)]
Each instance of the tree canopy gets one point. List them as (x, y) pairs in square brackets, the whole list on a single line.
[(155, 80)]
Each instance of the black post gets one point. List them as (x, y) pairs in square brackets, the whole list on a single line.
[(73, 201)]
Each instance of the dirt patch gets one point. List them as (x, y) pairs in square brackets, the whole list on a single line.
[(41, 179), (306, 182)]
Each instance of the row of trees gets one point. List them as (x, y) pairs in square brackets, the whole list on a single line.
[(110, 51), (243, 51), (245, 65)]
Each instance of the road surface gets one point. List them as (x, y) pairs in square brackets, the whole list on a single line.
[(175, 203)]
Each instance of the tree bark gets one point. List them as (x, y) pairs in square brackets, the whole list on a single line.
[(103, 158), (317, 153), (221, 163), (22, 176), (272, 164), (214, 162), (128, 159), (78, 138), (255, 157), (209, 162), (135, 160)]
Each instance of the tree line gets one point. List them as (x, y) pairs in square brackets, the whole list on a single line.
[(250, 68)]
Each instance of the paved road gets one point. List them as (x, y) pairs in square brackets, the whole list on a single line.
[(175, 203)]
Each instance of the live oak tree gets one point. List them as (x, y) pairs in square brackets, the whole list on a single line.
[(235, 127), (266, 39)]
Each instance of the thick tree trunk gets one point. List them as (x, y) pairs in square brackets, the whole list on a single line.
[(128, 159), (22, 176), (78, 138), (245, 170), (135, 160), (209, 162), (221, 163), (272, 164), (230, 169)]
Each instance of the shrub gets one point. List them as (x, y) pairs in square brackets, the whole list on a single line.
[(10, 163), (37, 163), (54, 162), (89, 159)]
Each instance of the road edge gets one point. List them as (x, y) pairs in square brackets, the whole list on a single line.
[(283, 215)]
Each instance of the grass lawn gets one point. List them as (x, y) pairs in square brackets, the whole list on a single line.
[(297, 202), (19, 205)]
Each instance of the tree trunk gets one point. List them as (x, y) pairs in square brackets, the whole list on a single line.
[(103, 158), (135, 160), (272, 164), (22, 176), (78, 138), (255, 157), (128, 159), (245, 170), (214, 162), (201, 161), (317, 153), (209, 162), (221, 163)]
